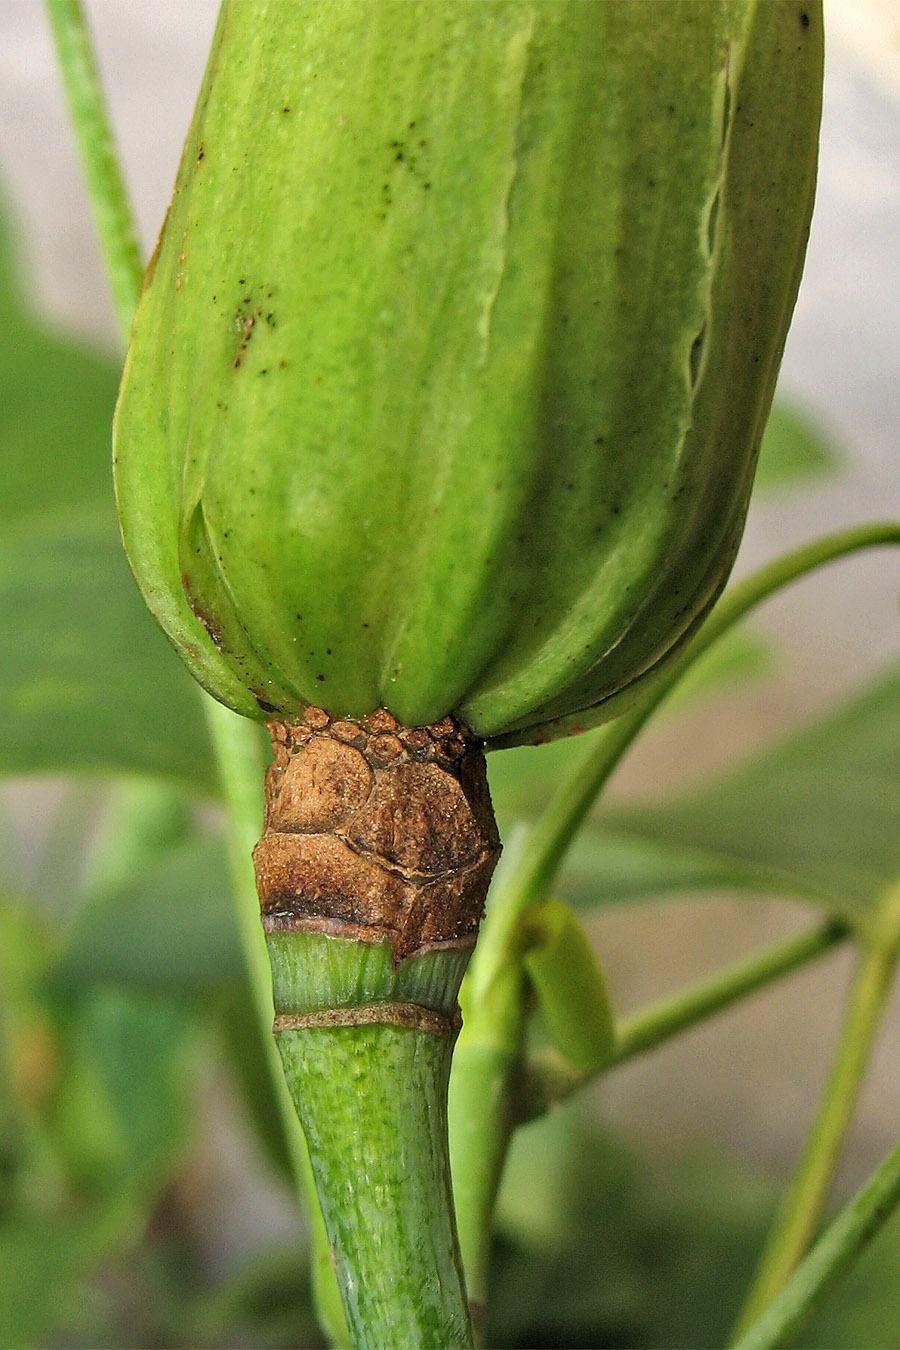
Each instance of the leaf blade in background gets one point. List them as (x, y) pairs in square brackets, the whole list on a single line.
[(87, 682), (86, 679), (794, 450), (814, 815), (172, 929), (524, 778)]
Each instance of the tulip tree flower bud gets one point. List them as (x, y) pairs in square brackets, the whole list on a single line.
[(449, 373)]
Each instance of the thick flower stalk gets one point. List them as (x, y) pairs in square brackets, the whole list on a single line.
[(437, 431)]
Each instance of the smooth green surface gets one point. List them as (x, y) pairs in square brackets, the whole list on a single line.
[(569, 985), (372, 1101), (378, 426), (311, 971)]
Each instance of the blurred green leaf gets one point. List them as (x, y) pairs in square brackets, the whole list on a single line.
[(86, 679), (524, 779), (815, 816), (864, 1309), (96, 1104), (600, 1245), (43, 1263), (123, 1107), (742, 654), (266, 1302), (172, 928), (56, 410), (794, 450)]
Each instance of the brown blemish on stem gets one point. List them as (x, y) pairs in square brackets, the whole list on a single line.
[(376, 831), (385, 1013)]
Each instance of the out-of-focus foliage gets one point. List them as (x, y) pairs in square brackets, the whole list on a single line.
[(86, 681)]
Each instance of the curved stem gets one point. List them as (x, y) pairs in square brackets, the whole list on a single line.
[(806, 1196), (554, 832), (548, 1081), (106, 187), (653, 1025), (478, 1162), (842, 1242)]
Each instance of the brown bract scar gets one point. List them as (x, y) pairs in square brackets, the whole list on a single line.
[(376, 832)]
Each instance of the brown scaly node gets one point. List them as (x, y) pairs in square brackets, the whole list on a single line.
[(376, 831)]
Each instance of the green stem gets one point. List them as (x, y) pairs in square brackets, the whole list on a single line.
[(651, 1026), (486, 1064), (548, 842), (477, 1157), (106, 187), (366, 1047), (835, 1251), (799, 1213), (238, 750)]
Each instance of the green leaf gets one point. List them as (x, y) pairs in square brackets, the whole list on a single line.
[(833, 1254), (794, 450), (56, 410), (86, 680), (815, 816), (603, 1245), (173, 928), (124, 1103)]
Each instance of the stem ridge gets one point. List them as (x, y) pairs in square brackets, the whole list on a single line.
[(385, 1013)]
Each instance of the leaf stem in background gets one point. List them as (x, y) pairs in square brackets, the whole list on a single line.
[(548, 1083), (113, 216), (548, 842), (838, 1247), (478, 1165), (651, 1026), (802, 1205)]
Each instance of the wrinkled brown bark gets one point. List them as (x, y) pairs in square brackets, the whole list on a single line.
[(376, 831)]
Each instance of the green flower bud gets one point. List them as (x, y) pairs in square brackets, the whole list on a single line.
[(448, 377)]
